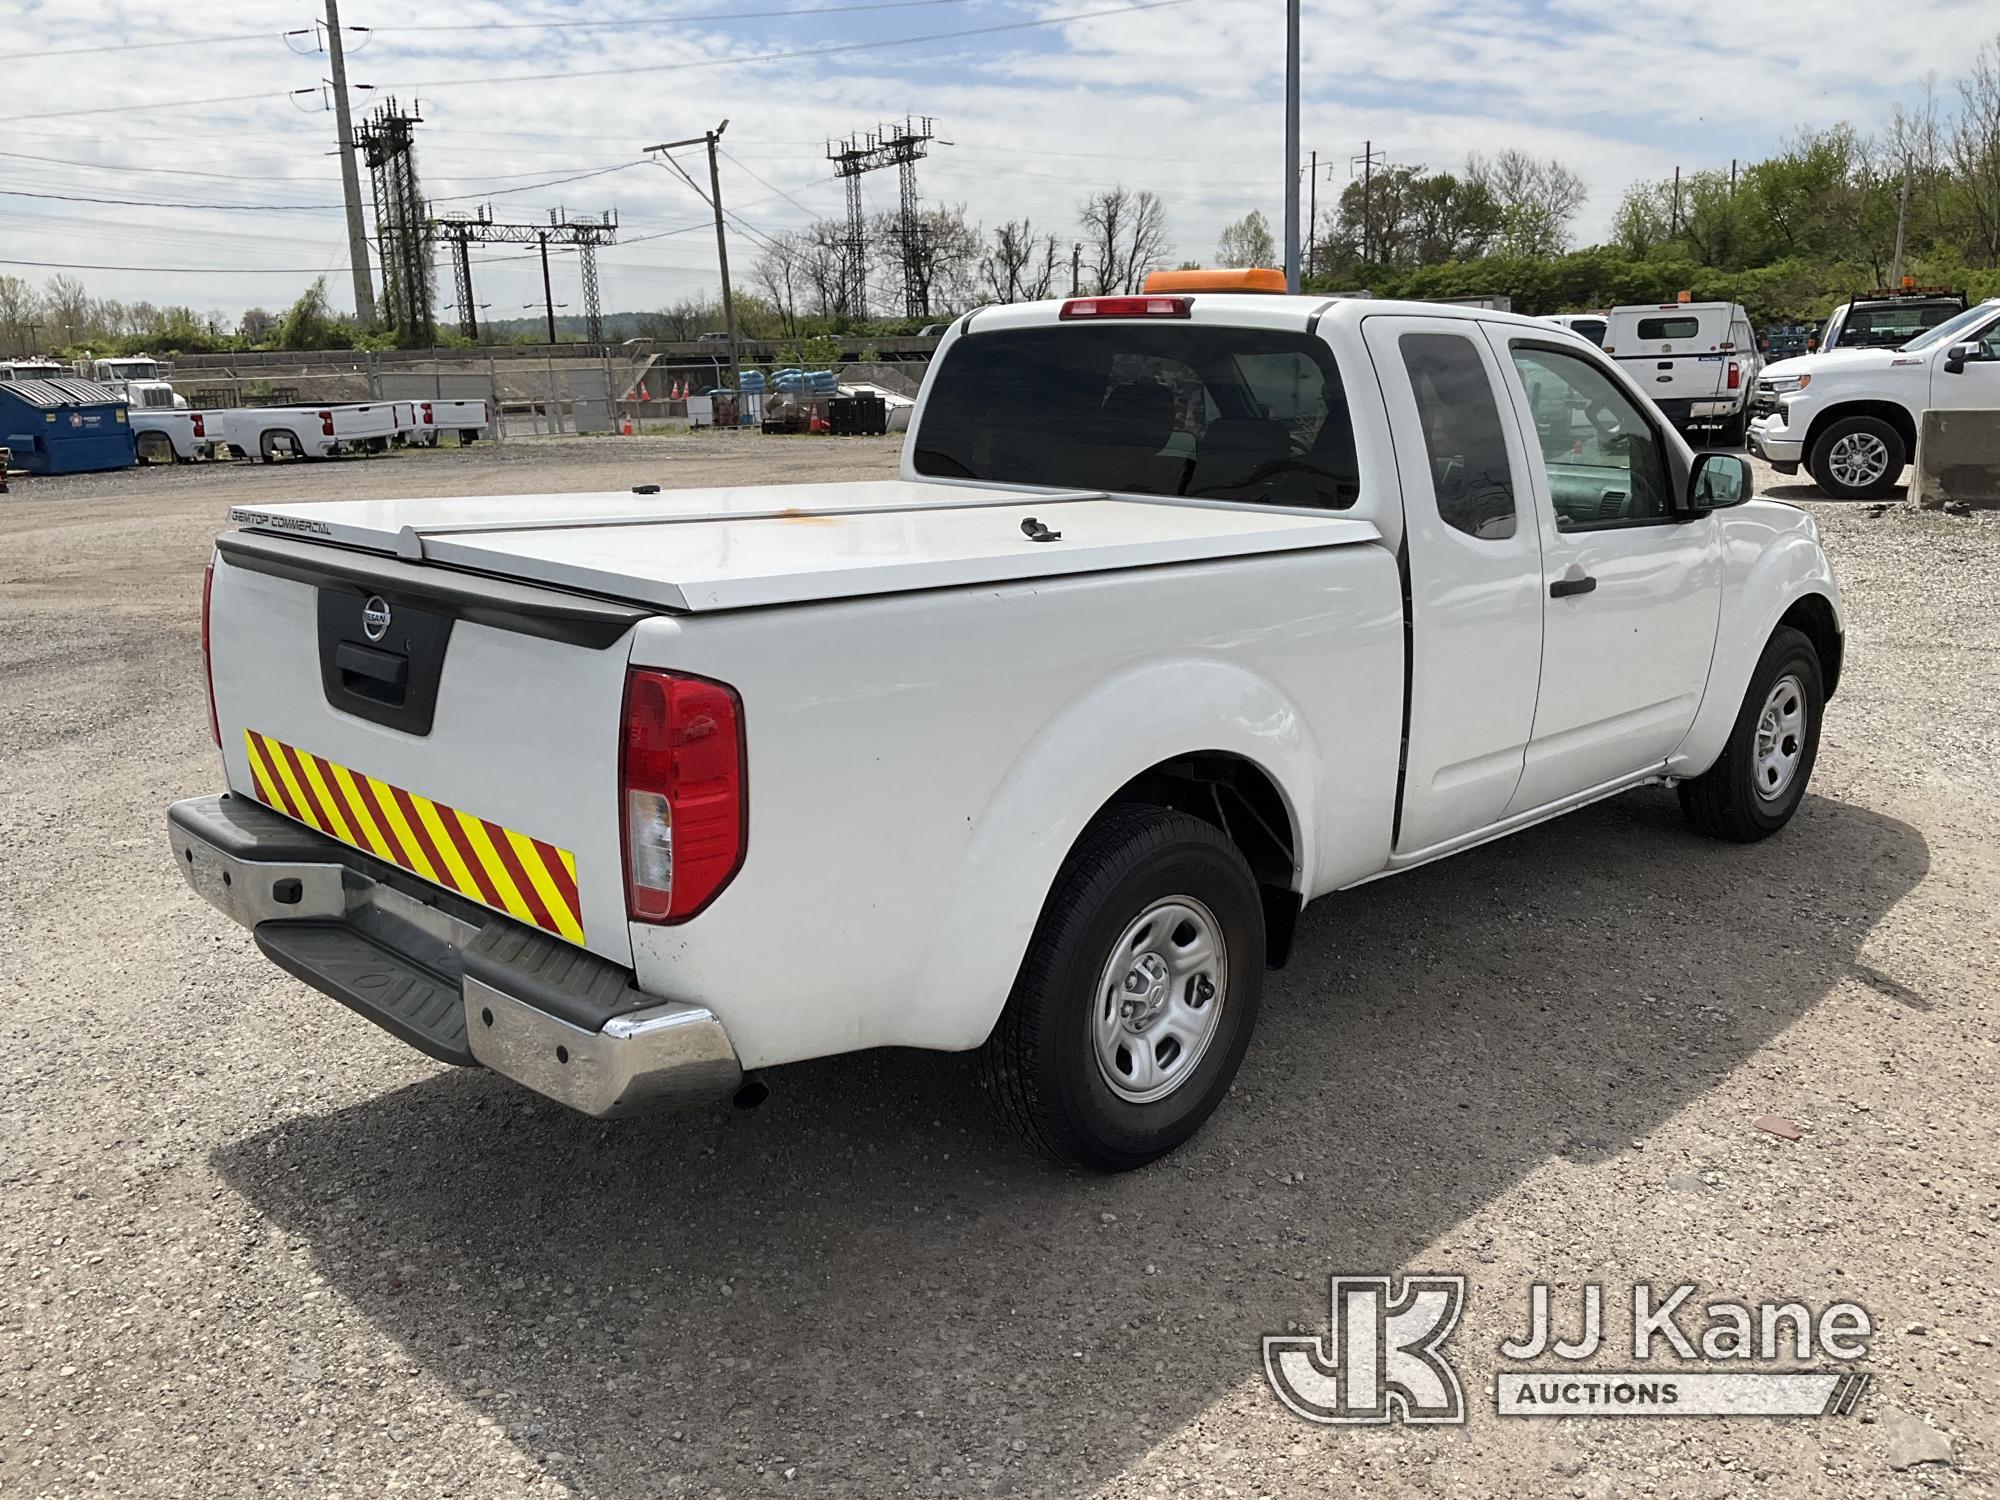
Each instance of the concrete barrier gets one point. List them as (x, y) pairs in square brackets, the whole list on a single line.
[(1958, 458)]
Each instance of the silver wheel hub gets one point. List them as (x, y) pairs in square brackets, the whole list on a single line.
[(1159, 999), (1858, 459), (1781, 739)]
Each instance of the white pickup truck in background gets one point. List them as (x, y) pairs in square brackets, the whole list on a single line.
[(274, 432), (469, 419), (1185, 610), (1850, 417)]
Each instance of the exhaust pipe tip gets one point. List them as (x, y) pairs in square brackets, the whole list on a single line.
[(752, 1092)]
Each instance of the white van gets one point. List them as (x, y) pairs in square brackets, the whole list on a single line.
[(1697, 360)]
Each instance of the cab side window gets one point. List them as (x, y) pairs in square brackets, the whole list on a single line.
[(1467, 447), (1604, 460)]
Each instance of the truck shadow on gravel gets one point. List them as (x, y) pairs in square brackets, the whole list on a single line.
[(866, 1281)]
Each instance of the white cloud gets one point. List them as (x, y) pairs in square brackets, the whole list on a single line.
[(1184, 100)]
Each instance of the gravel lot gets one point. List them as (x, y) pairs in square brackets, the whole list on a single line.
[(249, 1244)]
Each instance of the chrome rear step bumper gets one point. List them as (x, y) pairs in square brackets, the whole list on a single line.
[(463, 984)]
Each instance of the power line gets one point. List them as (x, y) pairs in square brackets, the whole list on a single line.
[(238, 208), (679, 19), (185, 41), (154, 108), (102, 166), (837, 50)]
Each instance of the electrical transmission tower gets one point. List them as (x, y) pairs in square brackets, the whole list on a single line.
[(402, 229), (463, 231), (899, 146)]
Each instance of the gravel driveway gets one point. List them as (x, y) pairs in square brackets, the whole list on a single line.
[(251, 1245)]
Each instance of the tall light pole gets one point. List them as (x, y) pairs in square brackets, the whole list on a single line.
[(350, 178), (710, 139), (1291, 145)]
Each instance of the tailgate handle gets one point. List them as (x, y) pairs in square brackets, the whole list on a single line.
[(368, 673)]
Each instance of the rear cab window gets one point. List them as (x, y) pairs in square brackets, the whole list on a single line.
[(1669, 329), (1255, 416)]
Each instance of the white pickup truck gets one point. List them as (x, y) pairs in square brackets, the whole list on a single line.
[(1185, 610), (275, 432), (1850, 417), (176, 434)]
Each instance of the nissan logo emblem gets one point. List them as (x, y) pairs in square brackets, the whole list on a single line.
[(375, 618)]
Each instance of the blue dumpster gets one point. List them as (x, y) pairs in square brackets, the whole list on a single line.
[(64, 426)]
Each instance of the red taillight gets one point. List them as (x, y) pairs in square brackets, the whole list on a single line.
[(683, 795), (326, 423), (427, 414), (207, 660), (1735, 376), (199, 429), (1125, 307)]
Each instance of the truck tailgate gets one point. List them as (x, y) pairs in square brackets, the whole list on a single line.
[(465, 736)]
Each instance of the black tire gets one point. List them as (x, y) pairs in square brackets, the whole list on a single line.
[(156, 448), (1726, 802), (1734, 431), (1040, 1066), (1820, 461)]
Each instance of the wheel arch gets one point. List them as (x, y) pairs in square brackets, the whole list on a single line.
[(1209, 736), (1790, 584), (1892, 412), (1813, 616)]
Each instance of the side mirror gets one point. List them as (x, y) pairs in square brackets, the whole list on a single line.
[(1718, 480), (1956, 356)]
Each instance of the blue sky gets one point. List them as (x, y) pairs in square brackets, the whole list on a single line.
[(1185, 100)]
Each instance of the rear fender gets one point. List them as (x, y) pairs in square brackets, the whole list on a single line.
[(1152, 713)]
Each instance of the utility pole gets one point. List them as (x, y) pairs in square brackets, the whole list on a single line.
[(1076, 268), (1902, 218), (548, 294), (710, 139), (350, 178), (1292, 145), (1366, 161), (1676, 222), (1312, 215)]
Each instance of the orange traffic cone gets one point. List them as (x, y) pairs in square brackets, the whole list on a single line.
[(625, 426)]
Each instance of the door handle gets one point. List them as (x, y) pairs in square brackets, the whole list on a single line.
[(1562, 588)]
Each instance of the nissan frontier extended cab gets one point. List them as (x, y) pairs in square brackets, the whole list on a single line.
[(1185, 610)]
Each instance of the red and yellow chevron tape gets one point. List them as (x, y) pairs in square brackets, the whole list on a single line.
[(495, 866)]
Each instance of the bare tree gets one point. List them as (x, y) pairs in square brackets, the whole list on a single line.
[(1247, 242), (1539, 200), (1124, 236), (1974, 150), (825, 262), (937, 260), (780, 273), (18, 308), (1009, 265), (66, 309)]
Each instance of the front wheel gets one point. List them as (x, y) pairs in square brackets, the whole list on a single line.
[(1756, 785), (1138, 994), (1858, 458)]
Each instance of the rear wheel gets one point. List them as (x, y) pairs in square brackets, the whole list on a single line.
[(155, 448), (1858, 458), (1758, 782), (1137, 996), (271, 444)]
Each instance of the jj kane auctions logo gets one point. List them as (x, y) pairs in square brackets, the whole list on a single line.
[(1384, 1360)]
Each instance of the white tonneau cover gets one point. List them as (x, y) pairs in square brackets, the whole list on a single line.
[(755, 545)]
